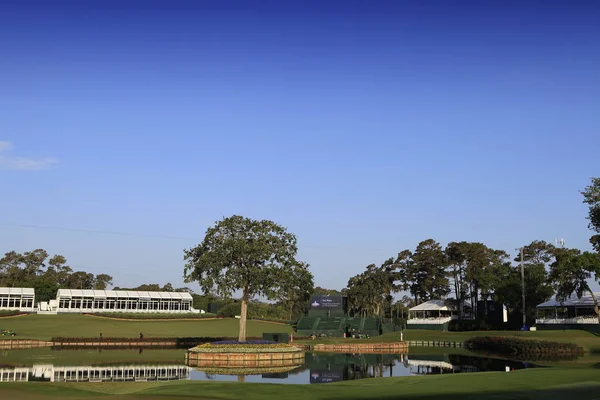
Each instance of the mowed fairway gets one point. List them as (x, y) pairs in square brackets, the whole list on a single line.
[(543, 383), (45, 327)]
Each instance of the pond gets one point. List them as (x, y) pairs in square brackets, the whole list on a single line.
[(162, 365)]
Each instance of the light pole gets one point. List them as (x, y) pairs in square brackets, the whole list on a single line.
[(523, 286)]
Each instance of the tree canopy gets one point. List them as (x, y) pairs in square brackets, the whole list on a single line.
[(571, 272), (243, 254), (46, 274), (370, 292), (591, 197)]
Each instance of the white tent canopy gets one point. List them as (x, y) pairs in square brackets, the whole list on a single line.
[(433, 305), (125, 294), (17, 291), (431, 312), (19, 299), (571, 311), (573, 301), (93, 301)]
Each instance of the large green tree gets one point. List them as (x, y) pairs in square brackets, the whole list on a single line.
[(537, 257), (324, 291), (428, 271), (242, 254), (571, 272), (456, 256), (369, 292), (591, 195), (296, 286)]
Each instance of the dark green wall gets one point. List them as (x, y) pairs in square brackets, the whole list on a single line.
[(428, 327), (594, 328)]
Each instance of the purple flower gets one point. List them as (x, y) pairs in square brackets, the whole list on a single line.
[(230, 342)]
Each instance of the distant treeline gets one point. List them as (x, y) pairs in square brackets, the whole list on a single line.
[(36, 269)]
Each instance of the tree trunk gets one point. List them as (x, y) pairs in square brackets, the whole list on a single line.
[(472, 298), (243, 313), (484, 298)]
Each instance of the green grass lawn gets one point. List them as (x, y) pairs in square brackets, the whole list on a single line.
[(45, 355), (45, 327), (564, 380), (547, 383), (589, 341), (585, 339)]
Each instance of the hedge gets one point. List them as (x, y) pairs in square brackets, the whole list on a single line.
[(119, 315), (466, 325), (194, 341), (525, 349), (11, 313), (279, 321)]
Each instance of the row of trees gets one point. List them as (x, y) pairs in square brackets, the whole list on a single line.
[(464, 271), (46, 274), (155, 287), (258, 258), (471, 271)]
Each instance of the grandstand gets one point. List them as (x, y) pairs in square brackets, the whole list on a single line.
[(327, 316), (307, 324), (370, 325), (338, 326), (431, 315), (570, 313), (355, 324)]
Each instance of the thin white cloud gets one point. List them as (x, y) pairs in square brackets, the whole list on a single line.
[(5, 146), (22, 163)]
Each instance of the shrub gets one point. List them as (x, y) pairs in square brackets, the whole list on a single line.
[(258, 311), (205, 339), (280, 321), (122, 315), (231, 310), (465, 325), (10, 313), (525, 348)]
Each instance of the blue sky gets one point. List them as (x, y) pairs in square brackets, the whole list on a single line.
[(363, 127)]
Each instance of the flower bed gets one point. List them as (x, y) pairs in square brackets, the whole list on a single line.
[(250, 346), (247, 371), (251, 354), (525, 349)]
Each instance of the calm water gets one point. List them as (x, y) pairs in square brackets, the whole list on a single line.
[(151, 365)]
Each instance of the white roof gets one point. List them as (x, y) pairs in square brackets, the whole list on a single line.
[(585, 301), (431, 305), (102, 294), (17, 291)]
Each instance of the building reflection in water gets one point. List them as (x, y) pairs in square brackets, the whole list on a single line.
[(121, 373), (326, 368)]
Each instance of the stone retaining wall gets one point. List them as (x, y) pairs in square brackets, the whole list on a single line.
[(125, 343), (10, 344), (394, 347)]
